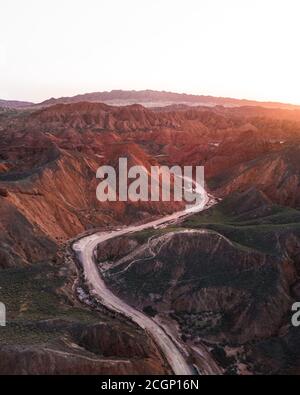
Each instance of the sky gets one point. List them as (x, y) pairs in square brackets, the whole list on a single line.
[(231, 48)]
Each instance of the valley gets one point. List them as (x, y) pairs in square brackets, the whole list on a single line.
[(85, 248), (221, 282)]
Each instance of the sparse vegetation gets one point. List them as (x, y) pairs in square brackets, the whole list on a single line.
[(37, 311)]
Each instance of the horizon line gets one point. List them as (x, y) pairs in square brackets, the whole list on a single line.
[(183, 93)]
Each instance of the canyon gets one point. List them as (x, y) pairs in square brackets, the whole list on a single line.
[(223, 280)]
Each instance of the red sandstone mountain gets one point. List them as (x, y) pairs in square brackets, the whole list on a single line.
[(48, 162), (49, 159)]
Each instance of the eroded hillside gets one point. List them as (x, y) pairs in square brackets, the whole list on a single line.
[(225, 279), (228, 285)]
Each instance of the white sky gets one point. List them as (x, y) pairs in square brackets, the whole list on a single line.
[(236, 48)]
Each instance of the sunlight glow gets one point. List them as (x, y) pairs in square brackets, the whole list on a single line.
[(244, 49)]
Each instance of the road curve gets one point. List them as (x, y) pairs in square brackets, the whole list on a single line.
[(85, 248)]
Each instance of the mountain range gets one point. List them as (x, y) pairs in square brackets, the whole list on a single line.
[(222, 281), (149, 98)]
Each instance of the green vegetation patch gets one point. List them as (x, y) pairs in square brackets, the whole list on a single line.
[(257, 229), (36, 310)]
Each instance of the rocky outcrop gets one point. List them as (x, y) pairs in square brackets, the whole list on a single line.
[(276, 175)]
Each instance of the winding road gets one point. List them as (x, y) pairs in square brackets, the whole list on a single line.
[(85, 248)]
